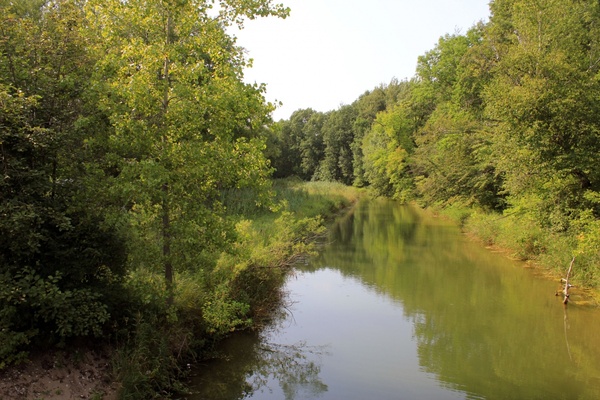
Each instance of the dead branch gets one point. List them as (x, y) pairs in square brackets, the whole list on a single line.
[(565, 291)]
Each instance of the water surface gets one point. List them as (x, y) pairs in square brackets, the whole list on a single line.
[(401, 305)]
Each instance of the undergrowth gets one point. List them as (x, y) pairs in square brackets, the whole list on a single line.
[(239, 290)]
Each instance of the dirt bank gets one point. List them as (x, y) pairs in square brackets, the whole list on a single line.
[(60, 375)]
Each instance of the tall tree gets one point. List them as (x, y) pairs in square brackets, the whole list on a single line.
[(542, 99), (170, 78), (451, 162), (292, 137), (387, 148), (338, 137), (367, 106), (312, 146)]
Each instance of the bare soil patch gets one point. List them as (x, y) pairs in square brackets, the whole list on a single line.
[(60, 375)]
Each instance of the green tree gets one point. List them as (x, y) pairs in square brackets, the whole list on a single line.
[(367, 106), (59, 260), (439, 67), (185, 125), (452, 160), (338, 136), (312, 146), (295, 146), (387, 148), (542, 99)]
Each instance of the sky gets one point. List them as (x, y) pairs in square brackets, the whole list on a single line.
[(329, 52)]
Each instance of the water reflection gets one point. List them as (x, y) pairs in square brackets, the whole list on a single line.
[(482, 323), (401, 305), (289, 367), (248, 364)]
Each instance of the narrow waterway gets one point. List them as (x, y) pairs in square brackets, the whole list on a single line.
[(401, 305)]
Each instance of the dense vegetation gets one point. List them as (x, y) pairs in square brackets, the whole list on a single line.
[(135, 191), (500, 126), (136, 164)]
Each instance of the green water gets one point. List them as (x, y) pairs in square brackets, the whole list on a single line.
[(401, 305)]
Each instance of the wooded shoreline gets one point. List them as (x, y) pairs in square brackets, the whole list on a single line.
[(137, 199)]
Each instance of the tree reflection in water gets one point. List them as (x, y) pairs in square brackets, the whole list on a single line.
[(248, 365), (291, 367)]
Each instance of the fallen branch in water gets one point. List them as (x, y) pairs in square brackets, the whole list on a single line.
[(565, 291)]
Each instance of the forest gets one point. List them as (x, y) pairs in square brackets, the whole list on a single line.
[(499, 128), (140, 173)]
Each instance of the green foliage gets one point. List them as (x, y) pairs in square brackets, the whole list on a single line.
[(146, 365), (300, 145), (12, 341), (223, 315), (452, 160), (239, 291), (586, 231), (160, 63), (387, 147), (113, 182), (502, 119), (439, 68), (59, 260), (337, 163), (143, 158), (33, 305), (368, 106), (541, 95)]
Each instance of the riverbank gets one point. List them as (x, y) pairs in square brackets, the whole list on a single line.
[(549, 253), (151, 351), (393, 305)]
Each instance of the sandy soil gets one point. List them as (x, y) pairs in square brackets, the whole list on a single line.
[(60, 375)]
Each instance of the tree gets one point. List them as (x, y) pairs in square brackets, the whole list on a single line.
[(439, 67), (185, 125), (312, 146), (387, 148), (294, 146), (542, 99), (59, 260), (338, 137), (368, 105), (452, 159)]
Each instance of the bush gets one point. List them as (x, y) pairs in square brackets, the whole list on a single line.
[(145, 363), (37, 307)]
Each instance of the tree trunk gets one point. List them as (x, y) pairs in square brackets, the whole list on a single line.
[(166, 217), (166, 237)]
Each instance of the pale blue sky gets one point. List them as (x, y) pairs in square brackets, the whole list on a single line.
[(328, 52)]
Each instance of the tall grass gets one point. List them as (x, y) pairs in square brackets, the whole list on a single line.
[(305, 199)]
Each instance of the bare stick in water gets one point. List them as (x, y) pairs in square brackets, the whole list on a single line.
[(566, 281)]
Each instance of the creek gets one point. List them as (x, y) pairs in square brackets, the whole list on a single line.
[(401, 305)]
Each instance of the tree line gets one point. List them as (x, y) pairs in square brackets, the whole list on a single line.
[(503, 119)]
